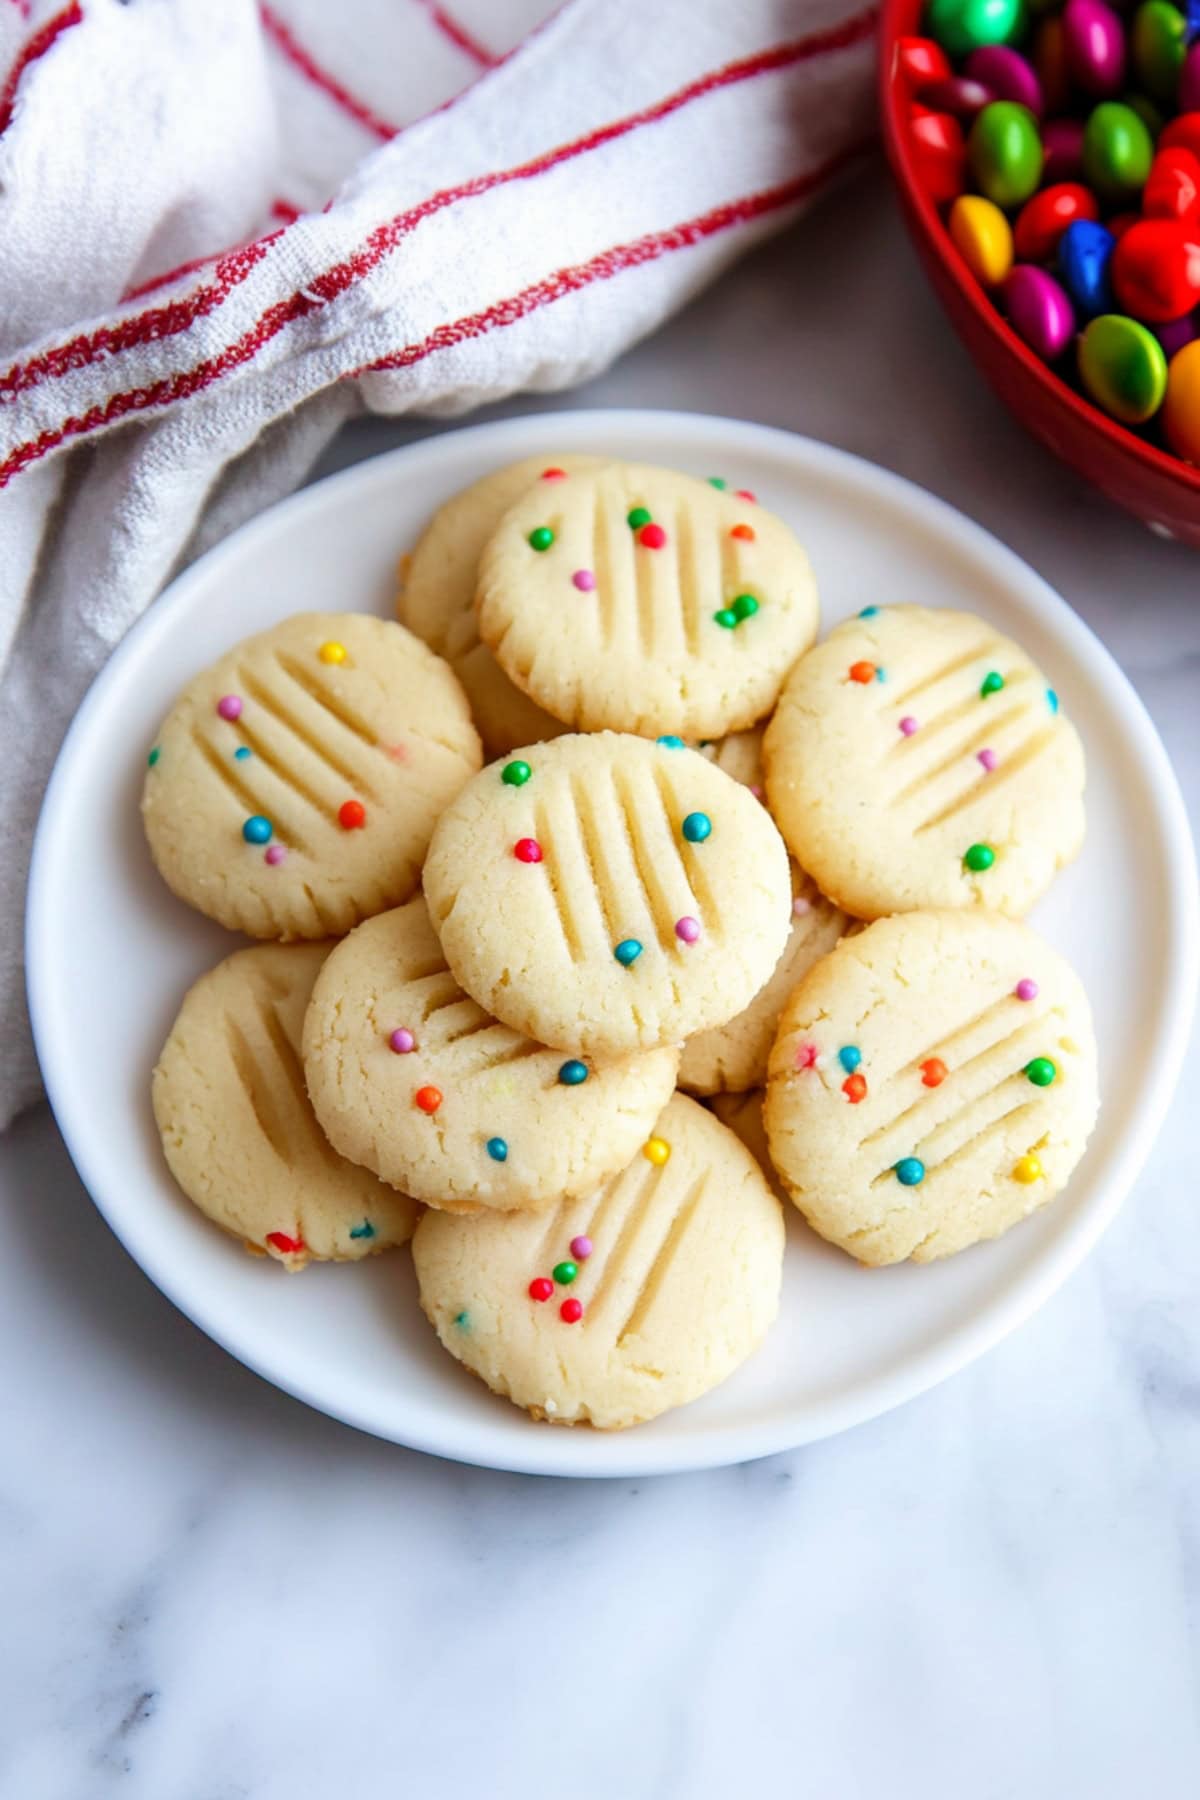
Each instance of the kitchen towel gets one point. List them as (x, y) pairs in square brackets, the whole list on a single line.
[(225, 228)]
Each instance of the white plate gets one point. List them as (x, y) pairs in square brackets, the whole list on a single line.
[(110, 953)]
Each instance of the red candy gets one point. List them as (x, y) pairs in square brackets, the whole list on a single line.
[(1183, 130), (940, 154), (1156, 270), (918, 60), (541, 1288), (352, 815), (1043, 219), (956, 95), (1172, 189)]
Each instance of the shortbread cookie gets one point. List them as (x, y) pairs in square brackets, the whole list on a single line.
[(437, 596), (933, 1082), (743, 1114), (643, 600), (608, 894), (918, 759), (611, 1309), (237, 1128), (413, 1079), (295, 783), (739, 755)]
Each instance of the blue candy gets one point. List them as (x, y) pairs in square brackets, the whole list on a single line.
[(1084, 253)]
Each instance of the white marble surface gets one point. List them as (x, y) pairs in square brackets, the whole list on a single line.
[(210, 1593)]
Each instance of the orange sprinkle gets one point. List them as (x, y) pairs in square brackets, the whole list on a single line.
[(428, 1099), (855, 1088), (744, 532), (933, 1071), (862, 672), (352, 815)]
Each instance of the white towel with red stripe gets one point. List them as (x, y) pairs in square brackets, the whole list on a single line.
[(227, 227)]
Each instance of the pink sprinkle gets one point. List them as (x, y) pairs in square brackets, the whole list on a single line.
[(230, 706), (581, 1248), (745, 494), (1027, 989), (652, 536), (801, 906), (397, 752), (274, 855), (402, 1041), (988, 758), (584, 580), (688, 929), (908, 725), (806, 1056), (756, 791)]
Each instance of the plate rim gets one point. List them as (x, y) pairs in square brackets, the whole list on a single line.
[(633, 1454)]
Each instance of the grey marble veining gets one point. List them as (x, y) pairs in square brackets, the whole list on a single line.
[(211, 1593)]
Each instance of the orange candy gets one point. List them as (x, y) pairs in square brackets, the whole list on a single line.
[(1181, 408)]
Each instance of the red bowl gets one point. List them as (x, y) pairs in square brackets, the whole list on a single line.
[(1160, 489)]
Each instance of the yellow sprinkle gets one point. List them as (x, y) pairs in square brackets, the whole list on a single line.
[(656, 1150), (332, 653), (1027, 1169)]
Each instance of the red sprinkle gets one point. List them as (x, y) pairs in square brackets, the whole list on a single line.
[(554, 474), (571, 1311), (862, 672), (428, 1099), (541, 1288), (806, 1056), (352, 815), (281, 1241), (745, 494), (527, 850), (855, 1088), (933, 1071), (652, 536), (744, 532)]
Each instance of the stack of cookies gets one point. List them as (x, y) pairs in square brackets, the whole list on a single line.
[(703, 859)]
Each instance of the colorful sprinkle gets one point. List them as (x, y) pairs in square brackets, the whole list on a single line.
[(428, 1099), (910, 1171), (652, 537), (717, 481), (573, 1073), (855, 1088), (993, 681), (540, 1288), (1027, 1169), (744, 607), (1041, 1071), (697, 827), (396, 752), (806, 1056), (908, 725), (541, 538), (670, 742), (636, 517), (275, 855), (933, 1072), (527, 850), (497, 1149), (862, 672), (584, 580), (801, 907), (868, 612), (743, 533), (230, 706), (515, 774), (627, 952), (554, 474), (571, 1311), (987, 759), (687, 929), (402, 1041), (745, 494), (257, 830), (581, 1248), (352, 815), (1052, 700), (241, 753), (462, 1320), (290, 1246), (564, 1273), (1026, 989), (656, 1150), (978, 858), (153, 757), (726, 618), (332, 652), (365, 1230), (849, 1056)]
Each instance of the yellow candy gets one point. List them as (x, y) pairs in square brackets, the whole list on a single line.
[(1027, 1169), (983, 236), (656, 1150), (332, 653), (1181, 408)]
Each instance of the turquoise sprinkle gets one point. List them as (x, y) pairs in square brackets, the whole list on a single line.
[(671, 743), (257, 830), (573, 1073), (365, 1230), (1052, 699), (241, 753), (697, 827), (910, 1171), (881, 674), (627, 951), (850, 1056), (868, 612), (497, 1149), (463, 1321)]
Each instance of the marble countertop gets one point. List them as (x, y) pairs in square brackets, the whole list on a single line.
[(211, 1593)]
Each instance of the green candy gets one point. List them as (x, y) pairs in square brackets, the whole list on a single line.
[(1117, 151), (1158, 39), (961, 26), (1123, 368), (1005, 152)]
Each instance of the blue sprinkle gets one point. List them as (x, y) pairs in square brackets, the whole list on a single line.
[(241, 753), (573, 1073), (1052, 699), (365, 1230), (910, 1171), (671, 743), (257, 830), (627, 951), (881, 674), (868, 612), (850, 1056), (497, 1149), (697, 827)]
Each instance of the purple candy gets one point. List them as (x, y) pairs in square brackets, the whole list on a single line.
[(1007, 74), (1062, 142), (1094, 46), (1038, 310), (955, 95), (1176, 334), (1189, 81)]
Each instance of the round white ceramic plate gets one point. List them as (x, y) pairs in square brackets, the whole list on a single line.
[(110, 953)]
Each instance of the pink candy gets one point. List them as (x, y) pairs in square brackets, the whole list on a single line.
[(1094, 46), (1006, 75), (1038, 310)]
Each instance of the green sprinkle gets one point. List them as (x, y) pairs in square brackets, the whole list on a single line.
[(993, 681), (637, 517), (717, 482), (153, 757), (745, 606), (726, 618), (515, 774), (541, 539), (979, 857), (564, 1273), (365, 1230), (1041, 1071), (462, 1320)]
